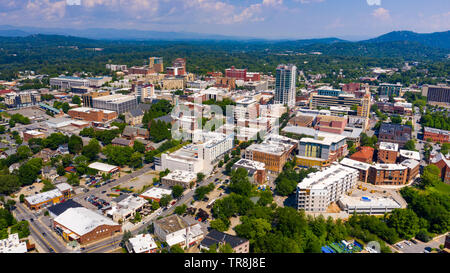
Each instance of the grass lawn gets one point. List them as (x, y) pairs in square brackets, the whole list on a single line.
[(440, 188)]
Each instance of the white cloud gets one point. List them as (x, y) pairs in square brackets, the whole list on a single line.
[(272, 2), (373, 2), (382, 14), (49, 10)]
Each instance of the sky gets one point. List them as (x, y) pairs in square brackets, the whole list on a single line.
[(271, 19)]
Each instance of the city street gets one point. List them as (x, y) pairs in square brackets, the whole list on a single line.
[(48, 242)]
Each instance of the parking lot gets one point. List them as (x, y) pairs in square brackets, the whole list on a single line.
[(418, 247)]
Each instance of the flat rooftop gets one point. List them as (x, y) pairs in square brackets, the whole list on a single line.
[(182, 176), (388, 146), (43, 197), (102, 167), (320, 180), (389, 167), (251, 164), (156, 193), (369, 202), (355, 164), (410, 154), (117, 98), (88, 109)]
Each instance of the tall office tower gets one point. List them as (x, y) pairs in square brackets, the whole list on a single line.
[(285, 84), (157, 64)]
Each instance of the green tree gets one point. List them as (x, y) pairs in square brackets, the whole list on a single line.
[(92, 149), (219, 225), (165, 199), (200, 177), (76, 100), (405, 222), (139, 147), (176, 249), (9, 183), (75, 144), (181, 209), (177, 191)]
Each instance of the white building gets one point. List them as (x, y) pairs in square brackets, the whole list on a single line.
[(104, 168), (367, 205), (12, 244), (65, 82), (176, 231), (126, 208), (317, 191), (213, 145), (207, 149), (155, 193), (141, 243), (179, 177)]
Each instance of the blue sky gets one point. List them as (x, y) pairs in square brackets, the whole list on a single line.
[(349, 19)]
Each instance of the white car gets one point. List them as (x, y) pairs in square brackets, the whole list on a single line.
[(399, 245)]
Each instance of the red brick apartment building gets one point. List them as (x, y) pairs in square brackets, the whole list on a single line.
[(388, 174), (387, 152), (90, 114), (443, 164), (436, 135)]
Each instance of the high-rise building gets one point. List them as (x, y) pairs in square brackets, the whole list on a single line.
[(157, 64), (285, 84)]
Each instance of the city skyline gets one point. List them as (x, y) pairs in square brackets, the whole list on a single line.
[(271, 19)]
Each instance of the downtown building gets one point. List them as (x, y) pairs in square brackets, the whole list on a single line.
[(22, 99), (328, 98), (437, 94), (321, 151), (274, 152), (118, 103), (285, 85), (318, 190)]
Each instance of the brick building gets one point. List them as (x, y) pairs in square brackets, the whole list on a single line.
[(436, 135), (387, 152), (395, 133), (443, 164), (256, 170), (388, 174), (331, 124), (84, 225), (32, 134), (90, 114)]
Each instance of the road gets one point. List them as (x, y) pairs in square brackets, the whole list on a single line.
[(113, 243), (107, 187), (49, 242)]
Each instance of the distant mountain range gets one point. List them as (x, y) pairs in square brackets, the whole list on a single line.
[(113, 34), (435, 40)]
